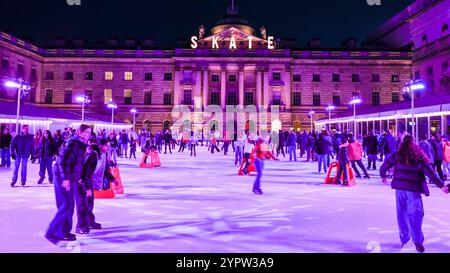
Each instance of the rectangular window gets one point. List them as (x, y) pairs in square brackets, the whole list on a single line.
[(33, 74), (215, 78), (49, 96), (296, 99), (276, 98), (107, 95), (276, 76), (355, 77), (20, 70), (336, 98), (167, 99), (89, 76), (128, 76), (297, 78), (88, 93), (232, 98), (316, 98), (232, 78), (109, 75), (395, 96), (49, 75), (316, 77), (336, 77), (147, 97), (444, 67), (375, 97), (187, 97), (148, 76), (215, 98), (127, 96), (69, 76), (355, 94), (68, 97), (248, 98), (430, 71), (5, 64), (417, 75), (375, 77), (395, 78), (168, 76)]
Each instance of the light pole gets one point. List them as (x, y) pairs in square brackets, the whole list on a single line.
[(410, 87), (355, 101), (112, 105), (329, 109), (311, 113), (134, 111), (22, 86), (83, 99)]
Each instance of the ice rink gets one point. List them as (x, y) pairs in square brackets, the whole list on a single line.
[(201, 205)]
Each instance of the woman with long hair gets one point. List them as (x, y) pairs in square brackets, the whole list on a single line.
[(47, 151), (411, 165)]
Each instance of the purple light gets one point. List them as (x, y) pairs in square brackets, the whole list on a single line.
[(112, 105), (355, 101), (134, 111), (330, 108), (14, 84), (82, 99)]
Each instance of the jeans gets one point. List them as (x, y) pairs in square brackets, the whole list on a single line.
[(133, 153), (6, 157), (322, 159), (247, 160), (23, 171), (193, 151), (342, 170), (259, 165), (165, 147), (124, 150), (308, 154), (238, 155), (446, 167), (46, 164), (386, 157), (214, 147), (61, 225), (372, 158), (438, 166), (85, 206), (409, 216), (291, 150), (361, 165), (114, 155)]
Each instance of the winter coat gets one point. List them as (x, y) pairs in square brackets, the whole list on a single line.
[(410, 177), (113, 142), (437, 149), (89, 167), (427, 149), (342, 155), (292, 139), (388, 144), (447, 151), (5, 141), (47, 148), (322, 146), (69, 165), (355, 150), (372, 145), (23, 145), (124, 139)]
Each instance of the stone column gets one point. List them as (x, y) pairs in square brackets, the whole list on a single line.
[(176, 88), (223, 86), (258, 88), (241, 86), (198, 83), (266, 88), (287, 88), (205, 87)]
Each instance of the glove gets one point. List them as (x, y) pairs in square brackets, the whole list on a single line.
[(13, 157)]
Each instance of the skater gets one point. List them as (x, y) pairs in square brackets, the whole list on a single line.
[(22, 148), (411, 166), (372, 150), (133, 144), (124, 140), (5, 142), (239, 144), (167, 139), (342, 158), (194, 143), (67, 172), (248, 149), (322, 148), (113, 144), (262, 152), (291, 145), (438, 154), (47, 151), (355, 152), (214, 143)]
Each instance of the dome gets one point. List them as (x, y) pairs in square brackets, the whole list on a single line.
[(232, 19)]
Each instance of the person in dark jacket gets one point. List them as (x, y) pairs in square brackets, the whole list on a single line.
[(342, 158), (427, 148), (281, 143), (411, 166), (114, 145), (133, 145), (323, 148), (291, 144), (438, 154), (5, 143), (372, 150), (22, 148), (47, 151), (167, 140), (67, 172), (124, 140)]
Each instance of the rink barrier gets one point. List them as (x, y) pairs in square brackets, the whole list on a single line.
[(335, 166), (154, 160)]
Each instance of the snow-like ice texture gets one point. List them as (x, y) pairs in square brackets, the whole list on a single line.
[(201, 205)]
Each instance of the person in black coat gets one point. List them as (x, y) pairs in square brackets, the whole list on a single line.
[(22, 148), (67, 172), (411, 165), (438, 154), (47, 151), (372, 150), (167, 140), (342, 158), (5, 142)]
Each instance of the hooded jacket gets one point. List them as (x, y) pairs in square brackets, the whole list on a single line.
[(69, 165)]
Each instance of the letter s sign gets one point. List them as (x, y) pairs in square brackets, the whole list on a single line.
[(73, 2)]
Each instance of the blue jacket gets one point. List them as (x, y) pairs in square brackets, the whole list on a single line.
[(410, 177), (389, 144), (292, 139), (22, 145)]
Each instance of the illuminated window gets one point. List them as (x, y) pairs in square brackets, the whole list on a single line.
[(109, 75), (127, 96), (108, 95), (128, 76)]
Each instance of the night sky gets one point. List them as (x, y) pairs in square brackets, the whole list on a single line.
[(169, 20)]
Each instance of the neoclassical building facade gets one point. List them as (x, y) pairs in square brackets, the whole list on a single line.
[(233, 65)]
